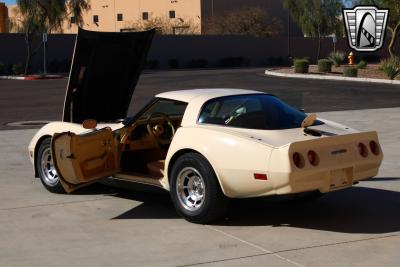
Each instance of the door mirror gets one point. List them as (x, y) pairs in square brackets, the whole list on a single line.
[(89, 124)]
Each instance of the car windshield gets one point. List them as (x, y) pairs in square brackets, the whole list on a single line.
[(258, 111), (167, 107)]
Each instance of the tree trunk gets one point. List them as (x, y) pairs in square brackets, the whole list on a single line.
[(28, 52), (393, 36), (319, 44)]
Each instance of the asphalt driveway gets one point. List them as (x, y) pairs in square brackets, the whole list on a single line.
[(43, 100)]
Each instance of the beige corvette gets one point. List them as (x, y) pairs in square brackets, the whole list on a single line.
[(204, 146)]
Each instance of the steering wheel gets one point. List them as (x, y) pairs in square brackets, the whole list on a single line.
[(157, 130)]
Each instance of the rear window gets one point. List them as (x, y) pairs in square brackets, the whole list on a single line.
[(258, 111)]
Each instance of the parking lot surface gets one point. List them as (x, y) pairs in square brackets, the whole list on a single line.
[(44, 99), (105, 226)]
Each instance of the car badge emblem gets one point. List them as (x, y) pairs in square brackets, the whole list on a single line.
[(366, 27)]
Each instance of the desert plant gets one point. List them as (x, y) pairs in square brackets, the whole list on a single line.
[(230, 62), (362, 64), (324, 65), (153, 64), (17, 69), (173, 63), (337, 58), (198, 63), (249, 21), (2, 68), (165, 26), (301, 66), (350, 72), (391, 67)]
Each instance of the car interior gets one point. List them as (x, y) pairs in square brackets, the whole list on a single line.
[(144, 143)]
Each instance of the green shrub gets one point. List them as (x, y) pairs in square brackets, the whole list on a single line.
[(230, 62), (17, 69), (362, 64), (152, 64), (198, 63), (324, 65), (350, 72), (173, 63), (301, 65), (391, 67), (337, 58), (2, 68)]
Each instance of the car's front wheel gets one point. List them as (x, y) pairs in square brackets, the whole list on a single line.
[(45, 167), (195, 190)]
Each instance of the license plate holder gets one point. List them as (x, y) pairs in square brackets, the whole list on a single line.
[(341, 178)]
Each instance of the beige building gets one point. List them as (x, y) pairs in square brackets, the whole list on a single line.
[(3, 18), (176, 16), (170, 16)]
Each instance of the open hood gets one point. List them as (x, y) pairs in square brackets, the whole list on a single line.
[(105, 70)]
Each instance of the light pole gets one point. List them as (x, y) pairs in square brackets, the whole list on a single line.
[(212, 8)]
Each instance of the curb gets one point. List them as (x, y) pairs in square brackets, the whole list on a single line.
[(271, 72), (31, 77)]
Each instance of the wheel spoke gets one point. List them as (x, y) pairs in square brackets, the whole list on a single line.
[(190, 188)]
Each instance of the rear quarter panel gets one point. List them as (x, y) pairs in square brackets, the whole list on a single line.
[(234, 159)]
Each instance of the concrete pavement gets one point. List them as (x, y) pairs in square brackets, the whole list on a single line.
[(103, 226)]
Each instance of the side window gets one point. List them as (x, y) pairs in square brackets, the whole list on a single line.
[(168, 107)]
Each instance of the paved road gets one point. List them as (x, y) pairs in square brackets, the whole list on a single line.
[(103, 226), (43, 100)]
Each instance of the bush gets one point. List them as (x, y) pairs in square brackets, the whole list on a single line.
[(173, 63), (350, 72), (337, 58), (276, 61), (391, 67), (2, 68), (17, 69), (301, 66), (324, 65), (152, 64), (232, 62), (198, 63), (362, 64)]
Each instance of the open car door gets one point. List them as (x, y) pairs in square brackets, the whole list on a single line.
[(86, 158)]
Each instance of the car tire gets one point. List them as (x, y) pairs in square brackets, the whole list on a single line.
[(195, 190), (45, 168)]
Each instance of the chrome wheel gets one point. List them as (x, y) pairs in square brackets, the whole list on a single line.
[(47, 169), (190, 189)]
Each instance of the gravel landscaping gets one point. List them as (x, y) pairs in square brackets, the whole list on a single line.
[(371, 71)]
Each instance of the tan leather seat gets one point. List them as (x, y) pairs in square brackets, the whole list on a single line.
[(156, 168)]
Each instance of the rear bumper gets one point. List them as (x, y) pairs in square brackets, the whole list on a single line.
[(324, 180)]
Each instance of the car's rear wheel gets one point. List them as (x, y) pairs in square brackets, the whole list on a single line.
[(195, 190), (46, 170)]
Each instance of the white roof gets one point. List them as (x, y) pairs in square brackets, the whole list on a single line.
[(206, 94)]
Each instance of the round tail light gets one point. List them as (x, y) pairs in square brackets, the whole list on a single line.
[(374, 147), (362, 149), (312, 158), (298, 160)]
